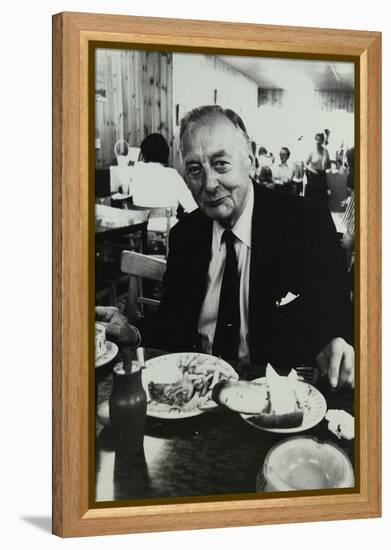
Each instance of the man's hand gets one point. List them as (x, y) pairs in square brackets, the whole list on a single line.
[(117, 326), (337, 361)]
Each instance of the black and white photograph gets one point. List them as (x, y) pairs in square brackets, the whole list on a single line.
[(224, 276)]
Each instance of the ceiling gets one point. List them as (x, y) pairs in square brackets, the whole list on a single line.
[(285, 73)]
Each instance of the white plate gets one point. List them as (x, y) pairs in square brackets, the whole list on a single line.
[(165, 370), (314, 411), (109, 354)]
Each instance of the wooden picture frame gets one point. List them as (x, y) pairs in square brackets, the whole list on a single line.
[(72, 340)]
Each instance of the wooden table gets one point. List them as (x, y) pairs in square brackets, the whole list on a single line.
[(107, 235), (216, 453)]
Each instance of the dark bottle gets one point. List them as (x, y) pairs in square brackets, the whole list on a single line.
[(128, 408)]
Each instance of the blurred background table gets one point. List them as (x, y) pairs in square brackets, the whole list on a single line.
[(111, 223)]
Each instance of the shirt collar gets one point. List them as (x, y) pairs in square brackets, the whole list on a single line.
[(242, 228)]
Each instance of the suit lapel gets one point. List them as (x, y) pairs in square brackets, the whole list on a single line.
[(262, 269), (198, 263)]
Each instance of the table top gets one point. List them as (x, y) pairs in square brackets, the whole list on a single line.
[(105, 232), (216, 453)]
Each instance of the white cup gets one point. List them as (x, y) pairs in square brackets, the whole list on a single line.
[(301, 463)]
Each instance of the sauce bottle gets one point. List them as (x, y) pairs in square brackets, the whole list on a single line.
[(128, 409)]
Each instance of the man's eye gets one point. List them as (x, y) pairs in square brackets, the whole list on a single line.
[(193, 171), (221, 165)]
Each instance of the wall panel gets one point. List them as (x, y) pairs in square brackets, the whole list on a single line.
[(133, 98)]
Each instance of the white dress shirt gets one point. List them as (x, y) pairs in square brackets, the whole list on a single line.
[(209, 310), (283, 172)]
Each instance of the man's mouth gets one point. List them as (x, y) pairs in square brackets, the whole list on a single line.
[(215, 202)]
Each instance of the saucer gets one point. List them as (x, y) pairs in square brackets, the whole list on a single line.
[(109, 354)]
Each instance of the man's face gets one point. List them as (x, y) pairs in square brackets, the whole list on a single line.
[(217, 164), (283, 156)]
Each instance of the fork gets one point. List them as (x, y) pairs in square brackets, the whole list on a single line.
[(310, 375)]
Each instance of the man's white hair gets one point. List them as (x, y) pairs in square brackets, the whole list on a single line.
[(204, 113)]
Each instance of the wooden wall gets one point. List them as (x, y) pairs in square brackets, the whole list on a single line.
[(133, 97)]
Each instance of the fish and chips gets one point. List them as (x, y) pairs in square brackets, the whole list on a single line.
[(196, 376)]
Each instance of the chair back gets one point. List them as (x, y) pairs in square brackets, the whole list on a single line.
[(138, 267), (160, 212)]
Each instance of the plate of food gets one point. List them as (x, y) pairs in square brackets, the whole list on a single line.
[(179, 385), (274, 403)]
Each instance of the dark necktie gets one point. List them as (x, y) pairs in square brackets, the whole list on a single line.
[(226, 339)]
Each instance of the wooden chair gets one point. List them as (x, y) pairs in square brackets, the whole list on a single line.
[(156, 214), (138, 267)]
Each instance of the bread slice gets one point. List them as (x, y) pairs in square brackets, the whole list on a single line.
[(274, 404), (240, 396)]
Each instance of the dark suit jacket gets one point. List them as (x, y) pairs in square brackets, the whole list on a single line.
[(294, 249)]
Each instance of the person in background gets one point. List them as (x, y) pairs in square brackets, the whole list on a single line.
[(317, 162), (256, 161), (283, 172), (349, 219), (350, 163), (298, 155), (266, 177), (264, 159), (339, 157), (154, 184), (326, 134)]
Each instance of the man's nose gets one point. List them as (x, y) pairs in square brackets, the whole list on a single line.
[(210, 181)]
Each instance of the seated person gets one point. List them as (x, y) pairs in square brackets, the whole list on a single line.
[(283, 172), (154, 184), (266, 177), (254, 151), (264, 159), (234, 260)]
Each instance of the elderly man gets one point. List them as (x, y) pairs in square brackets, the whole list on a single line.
[(252, 275)]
